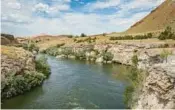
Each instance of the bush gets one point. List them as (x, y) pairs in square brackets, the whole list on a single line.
[(70, 36), (128, 95), (8, 36), (52, 51), (42, 66), (30, 47), (104, 34), (59, 45), (164, 54), (135, 77), (135, 60), (18, 84), (130, 37), (67, 51), (83, 35), (107, 56), (167, 34), (75, 40)]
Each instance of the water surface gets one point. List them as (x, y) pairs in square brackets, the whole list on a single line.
[(75, 84)]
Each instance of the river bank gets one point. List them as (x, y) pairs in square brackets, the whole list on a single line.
[(156, 59), (20, 71)]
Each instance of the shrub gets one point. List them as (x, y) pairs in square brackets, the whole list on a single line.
[(107, 56), (59, 45), (8, 36), (42, 66), (135, 60), (75, 40), (128, 95), (83, 35), (67, 51), (18, 84), (70, 36), (135, 77), (130, 37), (52, 51), (164, 54), (167, 34), (104, 34), (30, 47)]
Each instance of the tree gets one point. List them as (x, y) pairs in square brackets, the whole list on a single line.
[(167, 34), (83, 35), (104, 34)]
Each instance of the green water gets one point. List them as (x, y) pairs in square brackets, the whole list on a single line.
[(75, 84)]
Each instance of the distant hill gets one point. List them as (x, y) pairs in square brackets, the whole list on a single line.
[(8, 39), (157, 20)]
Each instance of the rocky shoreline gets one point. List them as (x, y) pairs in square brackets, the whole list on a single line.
[(158, 88)]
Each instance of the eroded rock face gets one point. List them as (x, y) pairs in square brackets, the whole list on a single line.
[(158, 91)]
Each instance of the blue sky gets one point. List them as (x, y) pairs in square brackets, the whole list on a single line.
[(34, 17)]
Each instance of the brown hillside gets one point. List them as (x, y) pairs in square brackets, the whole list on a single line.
[(157, 20), (7, 39)]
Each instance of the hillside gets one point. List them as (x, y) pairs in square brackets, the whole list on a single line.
[(7, 39), (157, 20)]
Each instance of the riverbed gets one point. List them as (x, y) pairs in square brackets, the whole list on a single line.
[(75, 84)]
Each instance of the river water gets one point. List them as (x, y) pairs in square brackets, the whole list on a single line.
[(75, 84)]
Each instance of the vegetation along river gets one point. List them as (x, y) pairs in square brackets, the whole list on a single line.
[(75, 84)]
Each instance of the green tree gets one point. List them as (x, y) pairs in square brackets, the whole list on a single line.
[(83, 35), (167, 34)]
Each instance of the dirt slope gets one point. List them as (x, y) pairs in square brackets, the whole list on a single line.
[(157, 20)]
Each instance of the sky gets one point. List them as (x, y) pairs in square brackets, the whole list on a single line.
[(57, 17)]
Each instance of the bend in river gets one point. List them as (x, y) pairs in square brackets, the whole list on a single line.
[(75, 84)]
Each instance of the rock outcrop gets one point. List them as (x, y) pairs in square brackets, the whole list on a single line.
[(158, 91)]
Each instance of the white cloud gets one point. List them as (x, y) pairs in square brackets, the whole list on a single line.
[(103, 4), (141, 4), (49, 9), (76, 23), (22, 21), (14, 5)]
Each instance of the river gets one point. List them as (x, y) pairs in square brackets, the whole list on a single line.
[(75, 84)]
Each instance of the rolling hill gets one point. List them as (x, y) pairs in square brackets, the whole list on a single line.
[(157, 20)]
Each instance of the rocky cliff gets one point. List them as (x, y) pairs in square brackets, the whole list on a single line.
[(158, 88)]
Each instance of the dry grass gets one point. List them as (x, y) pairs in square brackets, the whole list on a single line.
[(158, 19), (99, 40), (13, 52)]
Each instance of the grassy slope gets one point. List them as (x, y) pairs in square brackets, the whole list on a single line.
[(157, 20)]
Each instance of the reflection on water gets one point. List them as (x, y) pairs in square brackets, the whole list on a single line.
[(76, 84)]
